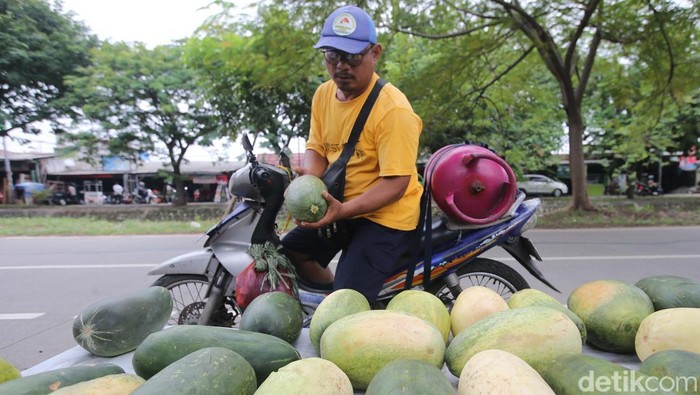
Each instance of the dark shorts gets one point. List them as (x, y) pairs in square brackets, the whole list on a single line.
[(372, 256)]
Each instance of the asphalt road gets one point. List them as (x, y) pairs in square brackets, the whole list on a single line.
[(46, 281)]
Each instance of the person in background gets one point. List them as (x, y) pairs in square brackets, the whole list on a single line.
[(169, 193), (117, 193), (72, 191), (382, 192)]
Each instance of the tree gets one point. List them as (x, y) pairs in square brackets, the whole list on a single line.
[(260, 75), (134, 100), (567, 37), (40, 46), (516, 116)]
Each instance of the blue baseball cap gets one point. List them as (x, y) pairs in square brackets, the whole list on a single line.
[(349, 29)]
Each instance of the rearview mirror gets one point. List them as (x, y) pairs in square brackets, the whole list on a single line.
[(246, 143)]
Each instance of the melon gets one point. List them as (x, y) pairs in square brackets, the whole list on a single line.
[(673, 363), (304, 199), (113, 384), (363, 343), (474, 304), (338, 304), (669, 329), (578, 374), (315, 376), (51, 380), (533, 297), (410, 377), (210, 370), (612, 311), (500, 372), (535, 334), (274, 313), (423, 305), (8, 371), (117, 325), (667, 292)]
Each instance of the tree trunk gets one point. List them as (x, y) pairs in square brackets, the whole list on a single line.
[(577, 165), (180, 195)]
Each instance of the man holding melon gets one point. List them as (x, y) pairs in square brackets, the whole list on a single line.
[(382, 193)]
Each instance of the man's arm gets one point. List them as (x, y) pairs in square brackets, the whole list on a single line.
[(388, 190), (314, 164)]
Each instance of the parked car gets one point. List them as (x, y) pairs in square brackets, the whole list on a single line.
[(537, 184)]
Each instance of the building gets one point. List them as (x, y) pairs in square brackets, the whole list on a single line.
[(96, 180)]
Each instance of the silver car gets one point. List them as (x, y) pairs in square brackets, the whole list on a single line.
[(537, 184)]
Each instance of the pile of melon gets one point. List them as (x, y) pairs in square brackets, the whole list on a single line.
[(529, 344)]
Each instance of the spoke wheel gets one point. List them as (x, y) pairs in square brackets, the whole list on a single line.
[(486, 273), (188, 292)]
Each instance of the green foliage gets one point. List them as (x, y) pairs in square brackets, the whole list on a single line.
[(471, 72), (260, 76), (134, 100), (40, 46)]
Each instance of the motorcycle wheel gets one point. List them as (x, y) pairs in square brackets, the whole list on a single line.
[(188, 292), (485, 272)]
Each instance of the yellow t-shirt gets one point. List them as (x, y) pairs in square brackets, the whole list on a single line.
[(388, 146)]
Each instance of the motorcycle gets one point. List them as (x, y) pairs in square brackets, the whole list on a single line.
[(202, 282), (649, 188)]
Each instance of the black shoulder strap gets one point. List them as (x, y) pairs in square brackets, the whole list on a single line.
[(360, 122)]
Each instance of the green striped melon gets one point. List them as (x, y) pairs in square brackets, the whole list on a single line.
[(533, 297), (304, 199), (274, 313), (410, 377), (580, 374), (118, 325), (113, 384), (423, 305), (363, 343), (535, 334), (209, 370), (671, 291), (338, 304), (680, 364), (612, 311)]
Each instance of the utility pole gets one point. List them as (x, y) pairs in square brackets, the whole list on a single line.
[(9, 189)]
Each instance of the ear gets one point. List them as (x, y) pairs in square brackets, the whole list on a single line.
[(376, 52)]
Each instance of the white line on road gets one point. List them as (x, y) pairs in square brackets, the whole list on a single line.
[(106, 266), (20, 316), (609, 258), (545, 259)]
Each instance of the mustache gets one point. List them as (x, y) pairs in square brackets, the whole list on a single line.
[(342, 74)]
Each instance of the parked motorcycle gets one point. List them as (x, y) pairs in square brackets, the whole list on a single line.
[(648, 188), (202, 282)]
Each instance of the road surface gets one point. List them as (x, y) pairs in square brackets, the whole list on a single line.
[(46, 281)]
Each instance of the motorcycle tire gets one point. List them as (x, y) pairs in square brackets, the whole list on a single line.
[(484, 272), (189, 296)]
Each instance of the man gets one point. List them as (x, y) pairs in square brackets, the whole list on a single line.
[(117, 193), (382, 192)]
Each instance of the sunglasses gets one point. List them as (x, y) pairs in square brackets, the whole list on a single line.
[(333, 57)]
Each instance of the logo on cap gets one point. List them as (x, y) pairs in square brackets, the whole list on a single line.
[(344, 24)]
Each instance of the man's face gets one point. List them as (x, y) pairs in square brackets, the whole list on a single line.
[(352, 73)]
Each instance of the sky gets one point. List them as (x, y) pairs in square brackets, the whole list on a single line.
[(152, 22)]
